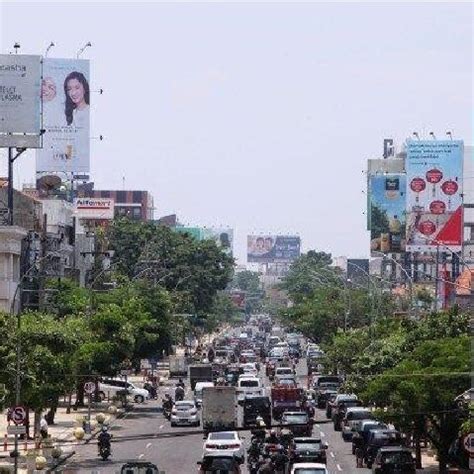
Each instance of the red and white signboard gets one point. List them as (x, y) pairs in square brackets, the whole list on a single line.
[(18, 414), (94, 208)]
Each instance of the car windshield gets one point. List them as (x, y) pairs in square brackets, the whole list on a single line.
[(184, 406), (309, 445), (397, 458), (310, 470), (248, 383), (222, 436), (218, 465), (303, 418), (359, 415)]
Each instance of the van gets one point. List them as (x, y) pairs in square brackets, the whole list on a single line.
[(248, 386), (198, 391), (108, 388)]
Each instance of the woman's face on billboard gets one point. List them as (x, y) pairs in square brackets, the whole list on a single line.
[(48, 89), (75, 91)]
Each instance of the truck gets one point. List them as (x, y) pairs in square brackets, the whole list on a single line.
[(286, 399), (219, 409), (199, 373), (178, 366)]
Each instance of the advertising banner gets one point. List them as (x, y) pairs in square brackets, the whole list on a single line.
[(20, 103), (94, 208), (194, 232), (434, 195), (387, 213), (65, 94), (223, 237), (272, 248)]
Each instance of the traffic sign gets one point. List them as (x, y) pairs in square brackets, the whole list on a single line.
[(18, 414), (468, 443), (89, 387), (16, 430)]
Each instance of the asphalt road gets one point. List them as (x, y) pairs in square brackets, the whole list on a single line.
[(149, 437)]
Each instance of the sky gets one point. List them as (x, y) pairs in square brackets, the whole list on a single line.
[(258, 116)]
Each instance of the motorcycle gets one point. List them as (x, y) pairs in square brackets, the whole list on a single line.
[(104, 452), (179, 394), (253, 464)]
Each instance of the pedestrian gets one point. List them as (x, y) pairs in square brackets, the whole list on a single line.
[(43, 427)]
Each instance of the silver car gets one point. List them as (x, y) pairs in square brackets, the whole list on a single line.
[(185, 413)]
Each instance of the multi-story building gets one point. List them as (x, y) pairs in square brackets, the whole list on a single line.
[(137, 205)]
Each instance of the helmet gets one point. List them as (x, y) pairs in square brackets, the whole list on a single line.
[(273, 432), (104, 429)]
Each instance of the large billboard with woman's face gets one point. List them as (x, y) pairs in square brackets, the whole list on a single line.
[(65, 94), (434, 195), (273, 248)]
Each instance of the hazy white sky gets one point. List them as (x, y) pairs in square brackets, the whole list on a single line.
[(257, 116)]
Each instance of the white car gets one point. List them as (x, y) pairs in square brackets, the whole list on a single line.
[(108, 388), (250, 369), (225, 442), (198, 391), (248, 386), (185, 413), (309, 468)]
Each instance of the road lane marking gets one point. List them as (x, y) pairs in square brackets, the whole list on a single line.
[(161, 427), (339, 468), (148, 446), (332, 454), (141, 456), (322, 434), (317, 426)]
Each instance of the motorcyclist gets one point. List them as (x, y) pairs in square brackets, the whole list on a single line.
[(179, 393), (254, 449), (103, 440), (273, 438), (279, 460), (167, 403), (286, 437), (180, 383), (259, 431), (210, 355)]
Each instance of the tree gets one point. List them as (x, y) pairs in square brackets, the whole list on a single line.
[(247, 281), (419, 393)]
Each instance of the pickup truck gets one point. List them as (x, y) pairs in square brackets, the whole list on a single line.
[(285, 398), (219, 409)]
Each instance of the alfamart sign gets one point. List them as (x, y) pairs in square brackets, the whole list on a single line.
[(94, 208)]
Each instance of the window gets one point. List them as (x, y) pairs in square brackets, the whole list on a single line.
[(121, 196), (137, 196), (105, 194), (136, 212)]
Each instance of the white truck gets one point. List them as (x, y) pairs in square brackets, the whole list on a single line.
[(219, 408), (178, 366)]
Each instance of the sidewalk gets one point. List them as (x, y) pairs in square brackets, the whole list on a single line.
[(61, 434)]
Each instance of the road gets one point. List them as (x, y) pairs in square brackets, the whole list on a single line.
[(147, 435)]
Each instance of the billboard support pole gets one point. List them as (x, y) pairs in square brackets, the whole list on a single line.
[(11, 160)]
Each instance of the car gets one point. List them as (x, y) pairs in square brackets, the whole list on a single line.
[(351, 418), (219, 463), (185, 413), (249, 368), (394, 459), (363, 429), (248, 386), (284, 371), (225, 442), (254, 407), (308, 468), (300, 424), (285, 380), (198, 391), (110, 387), (308, 450), (380, 438)]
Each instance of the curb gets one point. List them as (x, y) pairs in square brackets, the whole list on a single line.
[(61, 461)]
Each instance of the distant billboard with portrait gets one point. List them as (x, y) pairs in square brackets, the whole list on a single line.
[(65, 94), (273, 248), (223, 237), (434, 195)]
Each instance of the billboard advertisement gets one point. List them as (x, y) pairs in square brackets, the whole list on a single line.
[(20, 103), (434, 195), (223, 237), (65, 94), (387, 213), (272, 248), (94, 208)]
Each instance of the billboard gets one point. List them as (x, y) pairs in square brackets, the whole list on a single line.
[(223, 237), (65, 94), (272, 248), (194, 232), (387, 213), (434, 195), (20, 104), (94, 208)]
